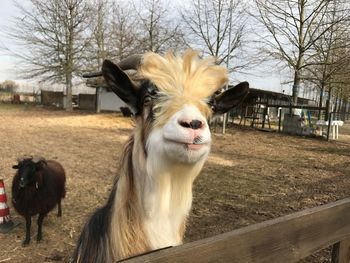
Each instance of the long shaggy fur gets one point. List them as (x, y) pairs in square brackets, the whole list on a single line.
[(115, 230), (41, 196), (152, 194), (182, 80)]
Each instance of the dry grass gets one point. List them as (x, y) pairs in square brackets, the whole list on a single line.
[(250, 176)]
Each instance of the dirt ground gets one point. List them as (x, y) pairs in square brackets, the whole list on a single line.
[(250, 176)]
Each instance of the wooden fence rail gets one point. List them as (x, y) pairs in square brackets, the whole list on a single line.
[(285, 239)]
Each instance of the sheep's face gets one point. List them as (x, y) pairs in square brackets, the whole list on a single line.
[(174, 101), (27, 169)]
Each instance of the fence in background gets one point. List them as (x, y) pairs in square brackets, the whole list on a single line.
[(305, 120), (9, 97), (52, 98), (87, 101)]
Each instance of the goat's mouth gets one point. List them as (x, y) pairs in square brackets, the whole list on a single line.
[(196, 145)]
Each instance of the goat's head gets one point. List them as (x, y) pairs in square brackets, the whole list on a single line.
[(27, 168), (172, 99)]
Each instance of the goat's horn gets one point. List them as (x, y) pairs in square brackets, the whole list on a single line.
[(92, 75), (131, 62)]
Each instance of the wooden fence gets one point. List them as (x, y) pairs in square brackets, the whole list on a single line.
[(285, 239), (87, 101), (52, 98)]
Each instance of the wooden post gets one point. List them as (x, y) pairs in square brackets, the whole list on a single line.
[(242, 116), (329, 118), (341, 252), (279, 119), (265, 114), (98, 99), (266, 109)]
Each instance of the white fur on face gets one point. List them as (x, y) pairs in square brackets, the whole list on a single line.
[(175, 156), (181, 144)]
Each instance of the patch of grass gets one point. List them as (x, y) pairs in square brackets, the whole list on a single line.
[(16, 107)]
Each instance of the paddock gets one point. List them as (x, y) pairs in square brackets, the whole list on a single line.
[(250, 176)]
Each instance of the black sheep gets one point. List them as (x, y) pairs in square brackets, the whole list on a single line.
[(37, 187)]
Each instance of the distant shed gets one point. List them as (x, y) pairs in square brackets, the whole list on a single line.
[(266, 97), (106, 100)]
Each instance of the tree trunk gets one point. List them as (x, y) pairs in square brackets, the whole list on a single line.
[(320, 102), (70, 58), (296, 86), (328, 103), (336, 103), (346, 109), (69, 106), (301, 51)]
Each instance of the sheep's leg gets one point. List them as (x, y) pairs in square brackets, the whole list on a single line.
[(59, 213), (40, 223), (28, 225)]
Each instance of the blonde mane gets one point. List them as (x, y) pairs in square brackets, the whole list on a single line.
[(182, 80)]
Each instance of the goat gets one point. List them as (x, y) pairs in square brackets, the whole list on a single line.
[(37, 187), (171, 97)]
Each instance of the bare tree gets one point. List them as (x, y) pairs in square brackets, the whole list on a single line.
[(124, 31), (99, 32), (292, 29), (9, 86), (158, 31), (328, 66), (217, 27), (339, 87), (52, 36)]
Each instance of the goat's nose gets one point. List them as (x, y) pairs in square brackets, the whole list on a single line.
[(194, 124)]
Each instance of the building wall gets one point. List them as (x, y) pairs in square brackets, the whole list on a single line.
[(109, 101)]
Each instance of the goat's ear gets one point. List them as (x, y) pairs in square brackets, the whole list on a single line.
[(230, 98), (15, 166), (120, 83)]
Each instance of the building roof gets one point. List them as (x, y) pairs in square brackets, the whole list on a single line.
[(271, 97)]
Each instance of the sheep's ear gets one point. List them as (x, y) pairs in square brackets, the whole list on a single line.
[(15, 166), (40, 164), (230, 98), (120, 84)]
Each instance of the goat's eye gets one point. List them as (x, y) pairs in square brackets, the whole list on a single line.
[(147, 100), (153, 92), (211, 103)]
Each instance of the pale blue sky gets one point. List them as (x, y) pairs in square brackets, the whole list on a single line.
[(7, 67), (262, 78)]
